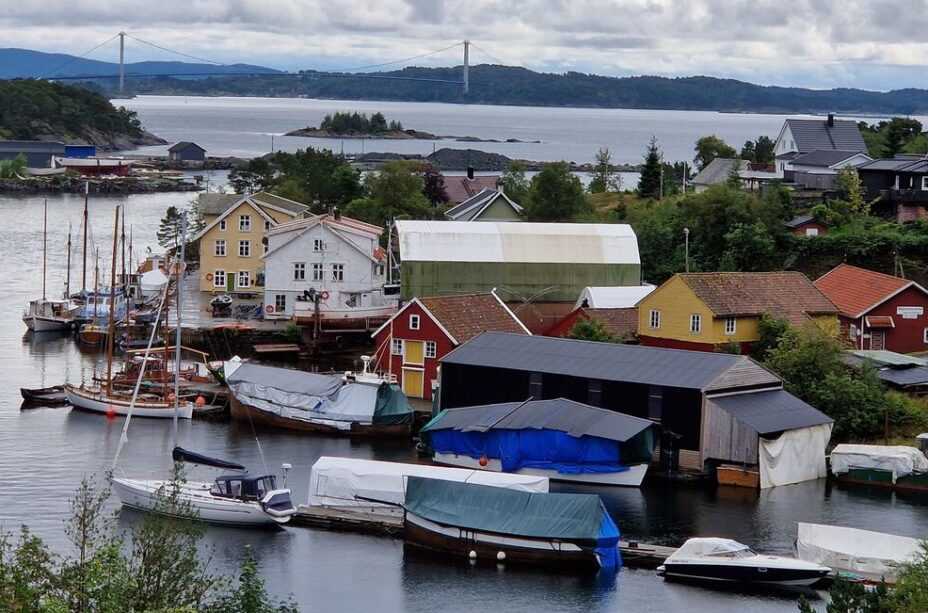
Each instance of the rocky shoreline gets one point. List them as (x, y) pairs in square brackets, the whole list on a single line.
[(75, 185), (310, 132), (482, 161)]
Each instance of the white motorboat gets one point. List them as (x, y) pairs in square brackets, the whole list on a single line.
[(236, 499), (720, 560), (49, 315), (872, 556), (97, 400), (633, 476)]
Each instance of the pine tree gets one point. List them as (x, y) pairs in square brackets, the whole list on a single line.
[(169, 229), (649, 185)]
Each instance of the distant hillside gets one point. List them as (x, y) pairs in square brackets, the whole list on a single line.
[(31, 109), (492, 84), (25, 63)]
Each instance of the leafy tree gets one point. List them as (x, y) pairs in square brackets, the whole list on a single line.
[(605, 178), (251, 596), (434, 186), (393, 191), (9, 169), (556, 194), (322, 178), (848, 182), (256, 176), (649, 184), (590, 329), (734, 176), (169, 230), (764, 150), (769, 331), (710, 147), (750, 248), (911, 589), (747, 151), (848, 597), (358, 123), (659, 227), (514, 182)]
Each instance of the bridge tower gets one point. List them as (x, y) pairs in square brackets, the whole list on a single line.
[(466, 67), (122, 60)]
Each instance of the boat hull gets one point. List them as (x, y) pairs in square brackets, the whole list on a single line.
[(47, 324), (633, 477), (454, 542), (46, 396), (96, 403), (916, 482), (744, 574), (142, 495), (247, 413)]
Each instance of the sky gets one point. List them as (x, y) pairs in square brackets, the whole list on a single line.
[(870, 44)]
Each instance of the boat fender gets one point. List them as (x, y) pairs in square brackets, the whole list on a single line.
[(472, 555), (269, 309), (501, 556), (483, 460), (209, 276), (324, 295), (201, 401)]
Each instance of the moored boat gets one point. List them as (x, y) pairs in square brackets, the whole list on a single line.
[(861, 554), (720, 560), (92, 334), (559, 439), (99, 400), (49, 315), (572, 532), (44, 396), (891, 466)]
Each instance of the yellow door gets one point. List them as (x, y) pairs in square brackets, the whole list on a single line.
[(415, 352), (412, 382)]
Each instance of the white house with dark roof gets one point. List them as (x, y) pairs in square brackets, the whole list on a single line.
[(805, 136)]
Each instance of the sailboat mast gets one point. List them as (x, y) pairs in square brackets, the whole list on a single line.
[(96, 281), (84, 243), (44, 246), (122, 240), (67, 280), (111, 333), (178, 282)]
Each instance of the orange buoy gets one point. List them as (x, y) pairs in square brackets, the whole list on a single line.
[(483, 460), (201, 401)]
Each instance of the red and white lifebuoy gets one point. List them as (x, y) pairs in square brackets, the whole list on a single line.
[(269, 309), (324, 295), (209, 276)]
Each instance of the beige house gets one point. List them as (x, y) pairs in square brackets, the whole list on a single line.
[(234, 238)]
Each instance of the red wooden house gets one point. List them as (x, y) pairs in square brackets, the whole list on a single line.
[(411, 343), (878, 311), (620, 323)]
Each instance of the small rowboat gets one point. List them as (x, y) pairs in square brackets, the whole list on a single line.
[(44, 396)]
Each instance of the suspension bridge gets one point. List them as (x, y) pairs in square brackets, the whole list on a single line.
[(356, 72)]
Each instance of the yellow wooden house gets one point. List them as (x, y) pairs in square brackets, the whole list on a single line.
[(233, 238), (715, 310)]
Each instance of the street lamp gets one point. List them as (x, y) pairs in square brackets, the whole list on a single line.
[(686, 239)]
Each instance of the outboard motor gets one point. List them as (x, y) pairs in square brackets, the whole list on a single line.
[(923, 442)]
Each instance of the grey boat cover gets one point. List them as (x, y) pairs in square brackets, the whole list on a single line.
[(322, 399)]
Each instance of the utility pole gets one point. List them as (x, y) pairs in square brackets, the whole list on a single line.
[(122, 59), (466, 67), (686, 248)]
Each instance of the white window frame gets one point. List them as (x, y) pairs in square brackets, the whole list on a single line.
[(244, 223), (397, 346), (318, 245), (731, 325), (318, 272), (695, 323), (243, 274), (925, 183), (244, 249), (219, 248), (431, 349), (280, 303), (414, 322), (299, 271), (814, 231), (338, 273), (925, 336), (222, 225), (654, 319), (219, 274)]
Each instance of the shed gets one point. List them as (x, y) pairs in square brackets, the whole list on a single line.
[(544, 261), (38, 154), (185, 151)]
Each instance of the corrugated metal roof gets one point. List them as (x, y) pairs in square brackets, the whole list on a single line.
[(889, 358), (678, 368), (619, 297), (772, 411), (489, 241), (574, 418), (904, 377)]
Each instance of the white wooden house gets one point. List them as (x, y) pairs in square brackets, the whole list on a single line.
[(338, 257)]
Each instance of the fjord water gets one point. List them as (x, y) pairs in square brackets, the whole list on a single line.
[(45, 452)]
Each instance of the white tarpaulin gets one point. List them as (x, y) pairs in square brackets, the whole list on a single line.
[(898, 459), (347, 482), (708, 546), (153, 282), (797, 455), (871, 555)]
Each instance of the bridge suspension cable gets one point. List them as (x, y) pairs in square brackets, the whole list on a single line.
[(400, 61), (174, 51), (66, 63)]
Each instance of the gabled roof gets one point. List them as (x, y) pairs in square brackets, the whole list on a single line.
[(184, 144), (772, 411), (337, 226), (825, 158), (620, 323), (678, 368), (855, 291), (718, 170), (459, 188), (216, 204), (472, 208), (816, 134), (898, 164), (259, 202), (788, 294)]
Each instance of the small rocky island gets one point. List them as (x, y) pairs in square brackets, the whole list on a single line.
[(376, 126)]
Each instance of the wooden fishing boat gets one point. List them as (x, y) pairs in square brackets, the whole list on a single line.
[(92, 334), (44, 396), (99, 400)]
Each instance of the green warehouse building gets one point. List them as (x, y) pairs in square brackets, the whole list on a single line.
[(548, 262)]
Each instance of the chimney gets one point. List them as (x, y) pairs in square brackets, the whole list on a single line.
[(831, 120), (336, 213), (470, 173)]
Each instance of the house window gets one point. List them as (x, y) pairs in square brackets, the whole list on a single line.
[(317, 272), (925, 183), (220, 250), (338, 272), (244, 278), (219, 278), (222, 225), (267, 225), (299, 271), (378, 270), (244, 249), (811, 231), (695, 323), (852, 331), (655, 321), (925, 336), (431, 349), (244, 223), (413, 322), (318, 244), (397, 346), (730, 325), (280, 303)]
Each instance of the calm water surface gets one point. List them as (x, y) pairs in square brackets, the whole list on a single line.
[(45, 452)]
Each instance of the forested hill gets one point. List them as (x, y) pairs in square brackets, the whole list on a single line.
[(491, 84), (50, 111)]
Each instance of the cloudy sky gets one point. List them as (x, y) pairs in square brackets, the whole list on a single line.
[(873, 44)]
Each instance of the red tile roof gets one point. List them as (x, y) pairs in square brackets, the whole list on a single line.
[(620, 323), (466, 316), (787, 294), (460, 188), (857, 290)]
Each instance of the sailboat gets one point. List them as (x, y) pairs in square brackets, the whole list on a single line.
[(104, 398), (50, 315)]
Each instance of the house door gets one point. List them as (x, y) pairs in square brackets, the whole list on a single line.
[(877, 340), (413, 382), (415, 353)]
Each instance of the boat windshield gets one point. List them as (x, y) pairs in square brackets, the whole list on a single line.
[(740, 553)]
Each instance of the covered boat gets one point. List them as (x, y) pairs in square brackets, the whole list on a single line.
[(378, 488), (560, 439), (486, 523), (152, 283), (327, 404), (894, 466), (872, 556), (726, 561)]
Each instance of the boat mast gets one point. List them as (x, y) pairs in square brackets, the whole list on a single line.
[(123, 248), (96, 282), (178, 282), (84, 243), (111, 333), (44, 246), (67, 280)]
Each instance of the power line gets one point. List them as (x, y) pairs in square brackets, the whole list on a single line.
[(186, 55), (80, 57)]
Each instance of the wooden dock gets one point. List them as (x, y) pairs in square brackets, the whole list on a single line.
[(634, 554)]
